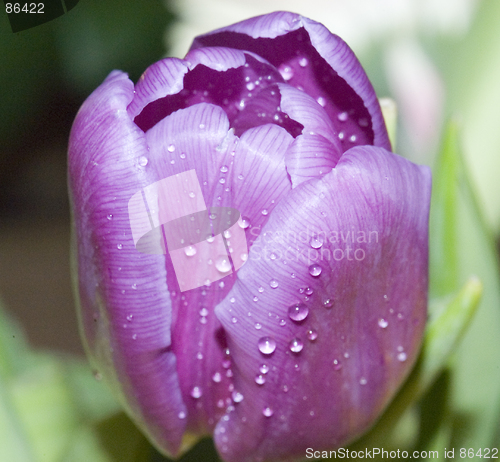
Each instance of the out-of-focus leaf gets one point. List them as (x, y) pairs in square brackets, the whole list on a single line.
[(474, 391)]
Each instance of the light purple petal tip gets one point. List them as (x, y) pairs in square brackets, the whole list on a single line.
[(125, 315)]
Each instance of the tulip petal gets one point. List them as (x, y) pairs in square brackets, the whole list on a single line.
[(159, 80), (312, 59), (125, 313), (247, 174), (343, 308)]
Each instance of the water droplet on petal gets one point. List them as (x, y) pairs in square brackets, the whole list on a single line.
[(223, 264), (286, 72), (267, 411), (273, 283), (217, 377), (264, 368), (110, 216), (298, 312), (352, 138), (402, 356), (192, 195), (181, 415), (267, 345), (260, 379), (237, 397), (143, 161), (171, 148), (308, 291), (296, 345), (312, 334), (261, 289), (321, 101), (264, 212), (183, 155), (343, 116), (362, 381), (222, 180), (315, 270), (243, 223), (383, 323), (250, 86), (190, 250), (196, 392), (130, 317), (316, 241), (337, 365), (328, 303), (303, 62), (258, 325), (119, 246)]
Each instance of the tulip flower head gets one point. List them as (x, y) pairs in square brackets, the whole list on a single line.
[(251, 258)]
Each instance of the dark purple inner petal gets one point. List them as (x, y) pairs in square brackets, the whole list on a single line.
[(302, 67), (264, 108), (244, 93)]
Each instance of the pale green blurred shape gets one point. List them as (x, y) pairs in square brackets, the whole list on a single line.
[(474, 96)]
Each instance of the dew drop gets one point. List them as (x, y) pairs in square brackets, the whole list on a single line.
[(119, 246), (273, 256), (309, 291), (267, 411), (264, 368), (217, 377), (316, 241), (181, 415), (258, 325), (273, 283), (224, 169), (243, 223), (240, 176), (298, 312), (183, 155), (192, 195), (130, 317), (303, 62), (266, 345), (315, 270), (362, 381), (261, 289), (190, 250), (134, 286), (222, 180), (296, 345), (321, 101), (234, 320), (343, 116), (196, 392), (202, 126), (250, 86), (341, 135), (110, 216), (328, 303), (203, 312), (223, 264), (171, 148), (282, 322), (264, 212), (312, 334), (383, 323), (237, 397), (402, 356), (352, 138), (143, 161), (337, 365), (260, 379)]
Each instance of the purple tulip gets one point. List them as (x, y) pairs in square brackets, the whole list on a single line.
[(307, 343)]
